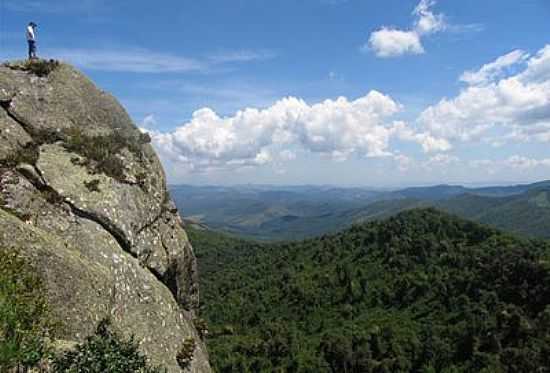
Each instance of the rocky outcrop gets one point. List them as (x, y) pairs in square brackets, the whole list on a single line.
[(83, 197)]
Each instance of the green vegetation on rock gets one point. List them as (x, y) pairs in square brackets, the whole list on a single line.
[(24, 322), (37, 67), (105, 351), (419, 292), (103, 153)]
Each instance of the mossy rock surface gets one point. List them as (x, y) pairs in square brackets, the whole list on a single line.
[(107, 246)]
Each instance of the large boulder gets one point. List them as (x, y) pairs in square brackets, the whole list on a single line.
[(83, 197)]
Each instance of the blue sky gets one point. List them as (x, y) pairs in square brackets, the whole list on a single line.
[(350, 92)]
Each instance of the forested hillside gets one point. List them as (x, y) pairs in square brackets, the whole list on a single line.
[(420, 292)]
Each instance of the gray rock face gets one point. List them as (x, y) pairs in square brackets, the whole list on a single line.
[(107, 243)]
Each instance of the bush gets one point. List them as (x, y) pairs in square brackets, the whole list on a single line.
[(202, 327), (186, 352), (27, 155), (24, 320), (102, 352), (38, 67), (92, 185), (102, 154)]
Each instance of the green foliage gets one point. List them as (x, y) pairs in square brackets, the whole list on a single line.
[(92, 185), (419, 292), (24, 322), (51, 195), (38, 67), (27, 155), (144, 138), (201, 326), (102, 153), (186, 352), (527, 214), (99, 153), (103, 352), (141, 179)]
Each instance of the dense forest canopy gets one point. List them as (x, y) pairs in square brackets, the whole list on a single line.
[(420, 292)]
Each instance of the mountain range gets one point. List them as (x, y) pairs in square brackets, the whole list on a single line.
[(297, 212)]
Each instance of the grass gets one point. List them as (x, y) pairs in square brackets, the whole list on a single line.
[(24, 321), (92, 185), (104, 351), (186, 352), (103, 153), (38, 67), (26, 155)]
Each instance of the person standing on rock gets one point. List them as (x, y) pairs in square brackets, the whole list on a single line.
[(31, 39)]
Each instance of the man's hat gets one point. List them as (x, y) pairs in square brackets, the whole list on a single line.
[(33, 24)]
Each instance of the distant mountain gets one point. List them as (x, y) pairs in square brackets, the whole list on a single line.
[(284, 213), (527, 213), (422, 291), (432, 193), (439, 192)]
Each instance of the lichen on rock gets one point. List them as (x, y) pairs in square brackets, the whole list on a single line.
[(108, 244)]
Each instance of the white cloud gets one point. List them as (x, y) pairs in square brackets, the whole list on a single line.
[(242, 56), (149, 122), (427, 22), (404, 163), (337, 129), (392, 42), (522, 162), (440, 161), (518, 162), (388, 42), (500, 96), (287, 155), (495, 69), (427, 141), (139, 60), (129, 60)]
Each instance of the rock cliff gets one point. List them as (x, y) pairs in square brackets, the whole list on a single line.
[(83, 198)]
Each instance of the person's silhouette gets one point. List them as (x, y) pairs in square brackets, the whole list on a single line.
[(31, 39)]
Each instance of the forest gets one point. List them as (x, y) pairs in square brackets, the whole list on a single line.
[(422, 291)]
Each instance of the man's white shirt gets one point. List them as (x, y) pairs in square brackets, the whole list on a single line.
[(30, 33)]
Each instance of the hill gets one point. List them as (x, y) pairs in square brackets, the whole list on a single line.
[(527, 214), (419, 292)]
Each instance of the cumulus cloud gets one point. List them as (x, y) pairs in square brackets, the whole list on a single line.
[(393, 42), (388, 42), (511, 94), (337, 129), (428, 22), (428, 142)]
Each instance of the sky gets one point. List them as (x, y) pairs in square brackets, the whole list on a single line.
[(342, 92)]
